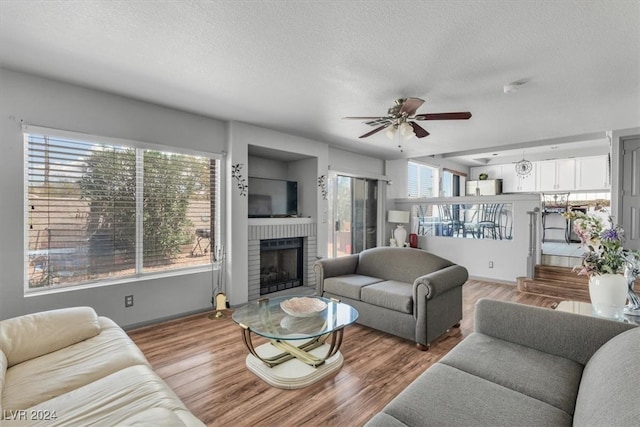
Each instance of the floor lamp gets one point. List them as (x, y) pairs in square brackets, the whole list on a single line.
[(400, 233)]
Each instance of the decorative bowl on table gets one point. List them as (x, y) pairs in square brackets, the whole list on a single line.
[(303, 306)]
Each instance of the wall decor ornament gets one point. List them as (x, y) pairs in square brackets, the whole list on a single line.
[(322, 183), (524, 167), (241, 182)]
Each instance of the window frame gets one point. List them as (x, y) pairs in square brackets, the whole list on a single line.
[(137, 145)]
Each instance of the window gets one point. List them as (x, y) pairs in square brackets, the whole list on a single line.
[(453, 183), (99, 210), (422, 180)]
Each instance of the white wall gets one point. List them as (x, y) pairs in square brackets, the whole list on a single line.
[(58, 105), (509, 257), (304, 172), (266, 168), (353, 163), (396, 171)]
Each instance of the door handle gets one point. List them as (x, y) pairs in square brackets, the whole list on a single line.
[(337, 227)]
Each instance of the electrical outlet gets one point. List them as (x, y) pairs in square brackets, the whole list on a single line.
[(490, 266), (128, 301)]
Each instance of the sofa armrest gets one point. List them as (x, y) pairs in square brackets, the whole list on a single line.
[(32, 335), (439, 282), (567, 335), (332, 267)]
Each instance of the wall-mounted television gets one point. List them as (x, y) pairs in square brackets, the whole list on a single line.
[(272, 198)]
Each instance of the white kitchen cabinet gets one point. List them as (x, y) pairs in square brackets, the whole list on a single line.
[(592, 173), (514, 183), (556, 175)]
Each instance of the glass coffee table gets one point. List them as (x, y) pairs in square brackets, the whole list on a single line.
[(304, 338), (587, 309)]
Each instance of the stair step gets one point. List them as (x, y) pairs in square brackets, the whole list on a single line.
[(559, 260), (563, 274), (555, 289), (559, 282)]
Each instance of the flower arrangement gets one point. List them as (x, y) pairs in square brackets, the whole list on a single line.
[(604, 252)]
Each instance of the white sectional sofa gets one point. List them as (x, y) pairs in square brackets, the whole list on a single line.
[(71, 367)]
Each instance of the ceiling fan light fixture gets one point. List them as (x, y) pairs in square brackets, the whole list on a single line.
[(406, 130), (391, 131), (402, 117)]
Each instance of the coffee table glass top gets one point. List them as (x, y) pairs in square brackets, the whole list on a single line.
[(266, 318), (586, 309)]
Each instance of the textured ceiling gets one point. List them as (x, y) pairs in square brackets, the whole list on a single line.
[(300, 66)]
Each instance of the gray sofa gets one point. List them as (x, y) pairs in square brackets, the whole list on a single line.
[(406, 292), (527, 366)]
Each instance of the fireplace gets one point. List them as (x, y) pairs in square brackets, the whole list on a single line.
[(281, 264)]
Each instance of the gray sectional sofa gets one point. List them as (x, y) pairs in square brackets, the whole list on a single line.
[(527, 366), (406, 292)]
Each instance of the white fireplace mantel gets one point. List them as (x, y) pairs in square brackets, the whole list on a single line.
[(280, 221)]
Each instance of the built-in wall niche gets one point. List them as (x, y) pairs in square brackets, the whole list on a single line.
[(272, 198), (491, 220), (300, 168)]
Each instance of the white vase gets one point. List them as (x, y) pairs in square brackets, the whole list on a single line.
[(400, 235), (608, 293)]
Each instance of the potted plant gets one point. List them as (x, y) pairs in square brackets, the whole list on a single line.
[(604, 261)]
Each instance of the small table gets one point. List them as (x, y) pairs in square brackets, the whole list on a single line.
[(586, 309), (301, 350)]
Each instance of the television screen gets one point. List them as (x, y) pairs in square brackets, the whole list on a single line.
[(270, 198)]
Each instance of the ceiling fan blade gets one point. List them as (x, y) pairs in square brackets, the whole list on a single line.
[(419, 130), (444, 116), (378, 129), (363, 118), (410, 106)]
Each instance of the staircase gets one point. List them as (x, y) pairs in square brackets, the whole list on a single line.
[(558, 282)]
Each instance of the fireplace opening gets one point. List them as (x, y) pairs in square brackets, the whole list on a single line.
[(280, 264)]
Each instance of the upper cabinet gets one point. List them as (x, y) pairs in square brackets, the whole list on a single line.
[(556, 175), (579, 174), (514, 183), (592, 173)]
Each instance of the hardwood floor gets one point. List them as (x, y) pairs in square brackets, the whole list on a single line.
[(203, 361)]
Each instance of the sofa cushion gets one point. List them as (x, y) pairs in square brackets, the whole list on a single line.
[(390, 294), (113, 400), (609, 389), (156, 417), (53, 374), (542, 376), (401, 264), (446, 396), (26, 337), (349, 285)]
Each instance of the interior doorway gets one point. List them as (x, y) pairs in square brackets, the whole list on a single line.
[(630, 206), (354, 215)]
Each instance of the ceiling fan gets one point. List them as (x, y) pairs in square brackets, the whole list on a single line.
[(402, 116)]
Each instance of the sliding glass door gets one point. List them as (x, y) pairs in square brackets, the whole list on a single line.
[(354, 214)]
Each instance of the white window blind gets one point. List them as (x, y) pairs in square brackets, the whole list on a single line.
[(98, 211), (422, 180)]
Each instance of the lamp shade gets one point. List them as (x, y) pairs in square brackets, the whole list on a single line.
[(398, 217)]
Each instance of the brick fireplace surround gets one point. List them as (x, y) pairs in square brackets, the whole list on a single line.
[(263, 229)]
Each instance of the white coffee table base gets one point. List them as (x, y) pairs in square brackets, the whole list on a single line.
[(293, 374)]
